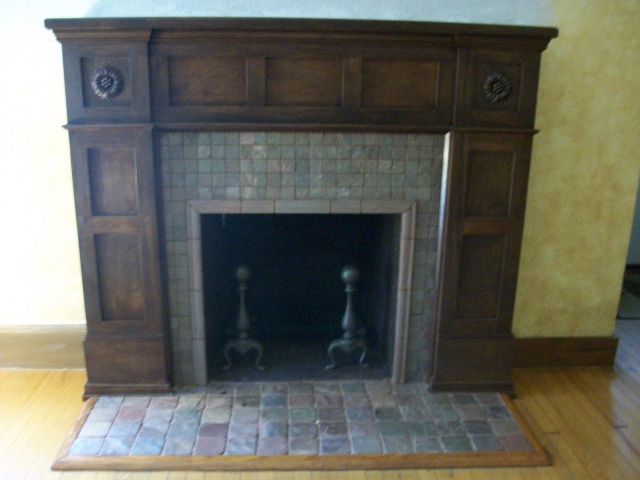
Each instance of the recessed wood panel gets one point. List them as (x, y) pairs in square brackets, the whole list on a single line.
[(399, 83), (480, 278), (489, 183), (304, 82), (207, 81), (118, 259), (112, 178)]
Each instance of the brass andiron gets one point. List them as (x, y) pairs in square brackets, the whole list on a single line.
[(348, 342), (243, 343)]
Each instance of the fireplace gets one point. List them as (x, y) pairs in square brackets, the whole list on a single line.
[(175, 120)]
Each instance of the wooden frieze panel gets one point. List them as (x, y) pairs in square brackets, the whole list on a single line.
[(400, 83), (303, 82), (207, 80)]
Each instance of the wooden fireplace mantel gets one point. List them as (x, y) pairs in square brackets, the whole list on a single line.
[(127, 78)]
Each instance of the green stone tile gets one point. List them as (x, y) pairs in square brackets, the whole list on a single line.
[(302, 414), (458, 443)]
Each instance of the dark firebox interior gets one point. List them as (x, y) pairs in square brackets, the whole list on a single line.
[(295, 295)]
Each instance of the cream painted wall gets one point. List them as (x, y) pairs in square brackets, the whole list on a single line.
[(39, 266), (584, 174)]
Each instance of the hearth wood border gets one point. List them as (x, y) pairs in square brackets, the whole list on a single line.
[(129, 79), (406, 209)]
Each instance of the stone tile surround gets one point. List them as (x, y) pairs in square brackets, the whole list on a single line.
[(299, 418), (300, 171)]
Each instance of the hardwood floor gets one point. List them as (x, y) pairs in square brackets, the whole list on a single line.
[(588, 418)]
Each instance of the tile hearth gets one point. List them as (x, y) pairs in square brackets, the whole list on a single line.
[(299, 418)]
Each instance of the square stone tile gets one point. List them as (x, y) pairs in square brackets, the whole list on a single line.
[(217, 401), (486, 443), (386, 414), (242, 430), (178, 446), (276, 414), (245, 415), (427, 444), (331, 415), (148, 446), (117, 446), (443, 412), (157, 429), (209, 446), (477, 428), (298, 430), (363, 429), (358, 414), (86, 446), (301, 400), (273, 429), (324, 400), (124, 429), (302, 414), (393, 429), (94, 429), (107, 414), (241, 446), (272, 446), (332, 429), (159, 415), (353, 387), (334, 445), (182, 430), (108, 402), (457, 443), (187, 416), (218, 430), (246, 401), (396, 444), (303, 446), (366, 445), (300, 388), (356, 401), (273, 400)]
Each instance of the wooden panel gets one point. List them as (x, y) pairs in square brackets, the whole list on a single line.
[(112, 177), (304, 82), (119, 263), (468, 364), (489, 180), (115, 363), (399, 83), (207, 80), (480, 276)]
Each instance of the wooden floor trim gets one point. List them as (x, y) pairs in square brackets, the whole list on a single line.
[(551, 352)]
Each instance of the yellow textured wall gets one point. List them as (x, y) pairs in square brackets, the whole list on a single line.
[(584, 172)]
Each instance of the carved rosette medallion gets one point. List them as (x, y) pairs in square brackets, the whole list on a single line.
[(107, 82), (497, 87)]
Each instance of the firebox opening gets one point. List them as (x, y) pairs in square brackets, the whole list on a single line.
[(295, 295)]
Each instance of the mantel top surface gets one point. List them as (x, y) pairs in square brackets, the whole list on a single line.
[(499, 17)]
